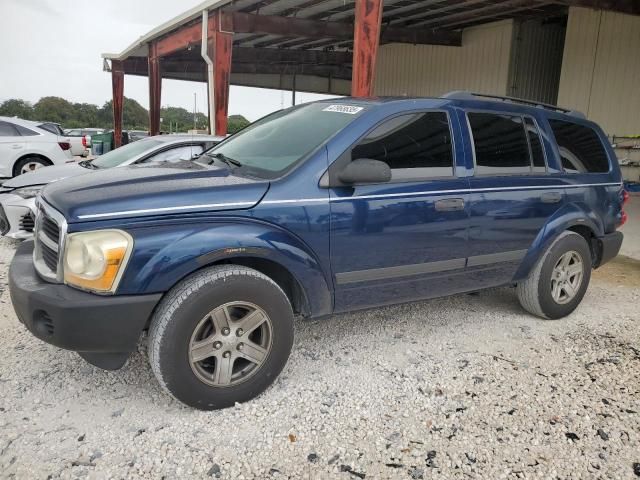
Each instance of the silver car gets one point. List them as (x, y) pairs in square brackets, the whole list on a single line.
[(17, 195)]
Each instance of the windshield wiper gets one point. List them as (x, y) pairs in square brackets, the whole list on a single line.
[(87, 164), (225, 159)]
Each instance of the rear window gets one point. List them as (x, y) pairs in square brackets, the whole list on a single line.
[(500, 144), (52, 128), (581, 150)]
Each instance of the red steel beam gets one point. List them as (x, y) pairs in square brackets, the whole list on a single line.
[(219, 48), (291, 27), (117, 85), (155, 86), (366, 39)]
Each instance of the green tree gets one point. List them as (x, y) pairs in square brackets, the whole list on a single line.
[(16, 108), (54, 109), (134, 115), (236, 123)]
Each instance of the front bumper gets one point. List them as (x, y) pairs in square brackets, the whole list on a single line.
[(104, 330), (609, 246), (19, 215)]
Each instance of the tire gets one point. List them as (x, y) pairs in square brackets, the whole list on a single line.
[(24, 163), (536, 293), (195, 312)]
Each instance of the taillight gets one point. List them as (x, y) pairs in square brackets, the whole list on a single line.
[(625, 197), (623, 218), (64, 145), (623, 215), (84, 141)]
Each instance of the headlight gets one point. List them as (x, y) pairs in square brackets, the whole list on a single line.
[(96, 260), (29, 192)]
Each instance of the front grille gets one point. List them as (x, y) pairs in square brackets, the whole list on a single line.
[(27, 222), (4, 222), (50, 229), (49, 235), (50, 257)]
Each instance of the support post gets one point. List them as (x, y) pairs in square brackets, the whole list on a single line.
[(220, 46), (117, 85), (293, 90), (366, 39), (155, 85)]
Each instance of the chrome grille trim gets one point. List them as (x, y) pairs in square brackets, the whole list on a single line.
[(43, 240)]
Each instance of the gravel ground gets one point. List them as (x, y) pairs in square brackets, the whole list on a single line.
[(468, 386)]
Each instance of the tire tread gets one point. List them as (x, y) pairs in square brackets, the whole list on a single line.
[(181, 292)]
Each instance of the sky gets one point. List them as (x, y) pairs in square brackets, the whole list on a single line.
[(53, 48)]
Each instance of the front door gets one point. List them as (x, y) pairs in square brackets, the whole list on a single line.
[(405, 239)]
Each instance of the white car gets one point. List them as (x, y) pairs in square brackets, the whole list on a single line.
[(17, 196), (27, 146), (80, 139)]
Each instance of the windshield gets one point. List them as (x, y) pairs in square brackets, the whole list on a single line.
[(120, 155), (273, 144)]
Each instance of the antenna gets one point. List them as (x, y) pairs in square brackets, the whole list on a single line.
[(195, 100)]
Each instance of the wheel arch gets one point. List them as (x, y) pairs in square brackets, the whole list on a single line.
[(28, 155), (572, 217), (163, 259)]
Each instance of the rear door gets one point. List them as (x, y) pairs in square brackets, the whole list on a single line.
[(512, 193), (12, 146), (406, 239)]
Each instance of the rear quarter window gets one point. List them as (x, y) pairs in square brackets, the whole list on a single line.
[(581, 150)]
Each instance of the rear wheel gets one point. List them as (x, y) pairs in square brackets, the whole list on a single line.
[(29, 164), (221, 336), (559, 280)]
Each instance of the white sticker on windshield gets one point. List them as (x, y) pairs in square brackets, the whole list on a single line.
[(350, 109)]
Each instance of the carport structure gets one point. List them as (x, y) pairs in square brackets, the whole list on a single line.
[(332, 46)]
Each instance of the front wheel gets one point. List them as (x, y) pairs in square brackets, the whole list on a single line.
[(29, 164), (559, 280), (221, 336)]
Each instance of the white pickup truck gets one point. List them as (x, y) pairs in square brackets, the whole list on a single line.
[(80, 139)]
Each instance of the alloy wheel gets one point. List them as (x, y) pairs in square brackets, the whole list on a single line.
[(230, 344)]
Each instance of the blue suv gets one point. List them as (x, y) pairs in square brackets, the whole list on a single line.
[(322, 208)]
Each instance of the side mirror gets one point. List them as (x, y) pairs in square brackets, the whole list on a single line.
[(365, 170)]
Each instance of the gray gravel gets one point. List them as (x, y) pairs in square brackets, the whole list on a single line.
[(468, 386)]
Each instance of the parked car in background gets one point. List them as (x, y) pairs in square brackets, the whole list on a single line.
[(80, 139), (27, 146), (323, 208), (17, 196), (135, 135)]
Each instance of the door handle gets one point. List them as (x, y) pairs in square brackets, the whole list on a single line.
[(551, 197), (16, 146), (449, 204)]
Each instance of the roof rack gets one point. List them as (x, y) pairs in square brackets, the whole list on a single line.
[(465, 95)]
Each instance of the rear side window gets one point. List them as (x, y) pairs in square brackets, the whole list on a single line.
[(500, 144), (8, 130), (414, 145), (581, 149), (24, 131)]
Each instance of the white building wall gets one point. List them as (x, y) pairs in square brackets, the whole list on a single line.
[(481, 64), (601, 69)]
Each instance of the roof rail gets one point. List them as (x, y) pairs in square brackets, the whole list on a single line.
[(465, 95)]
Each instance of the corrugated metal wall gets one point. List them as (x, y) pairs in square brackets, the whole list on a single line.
[(536, 60), (601, 69), (481, 64)]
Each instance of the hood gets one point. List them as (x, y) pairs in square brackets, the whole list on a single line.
[(161, 189), (46, 175)]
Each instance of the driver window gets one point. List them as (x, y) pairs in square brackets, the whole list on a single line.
[(416, 145), (181, 153)]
